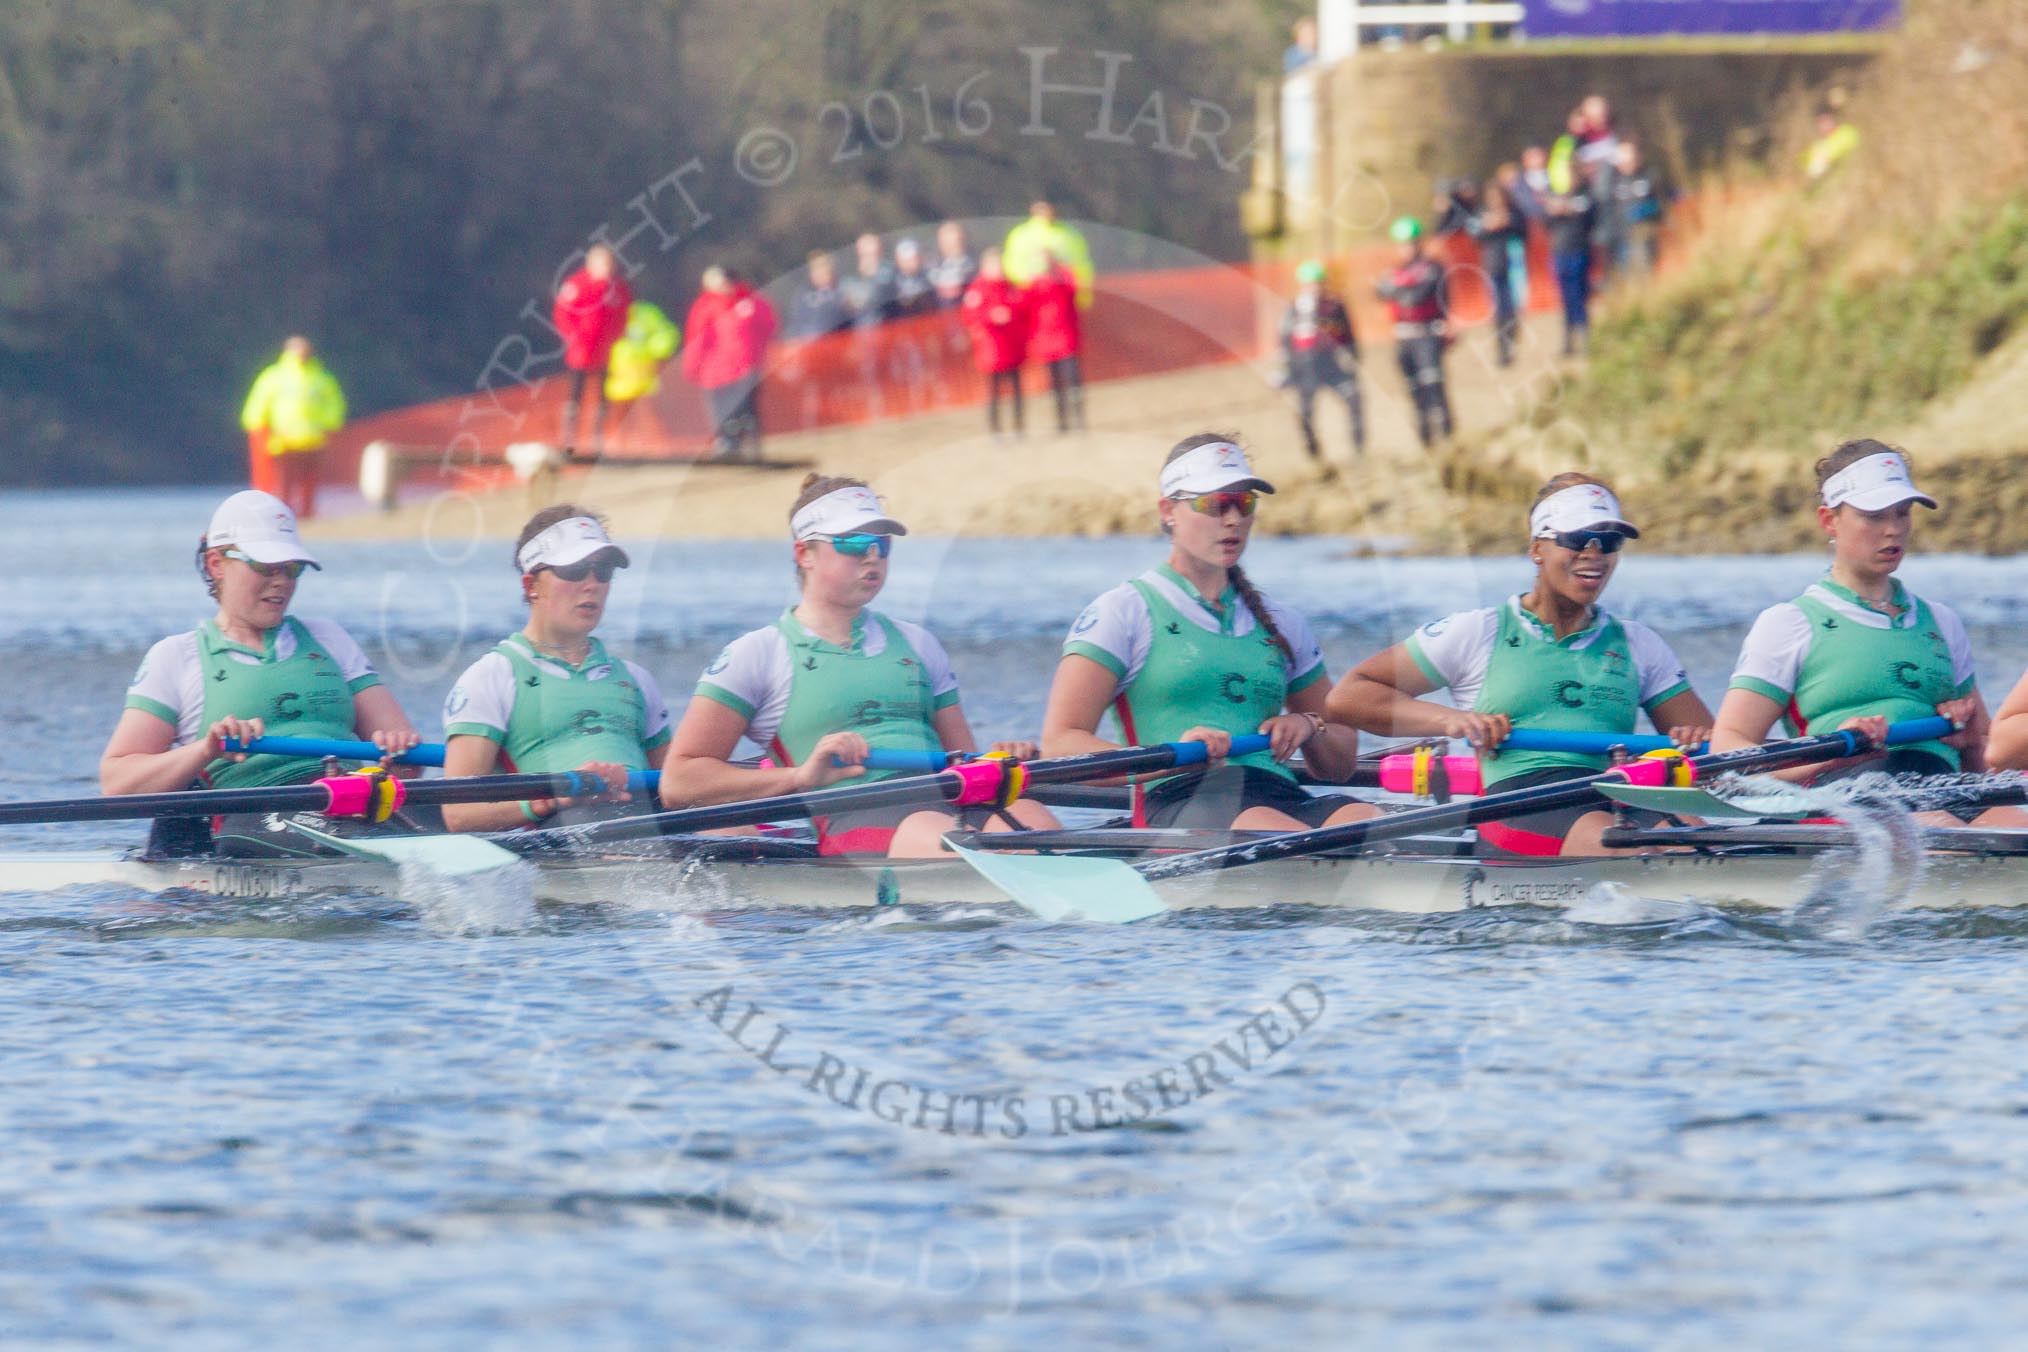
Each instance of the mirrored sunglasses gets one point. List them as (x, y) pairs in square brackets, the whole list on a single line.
[(858, 546)]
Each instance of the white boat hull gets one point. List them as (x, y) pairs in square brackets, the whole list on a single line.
[(1415, 885)]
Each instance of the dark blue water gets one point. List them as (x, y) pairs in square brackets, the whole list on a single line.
[(656, 1122)]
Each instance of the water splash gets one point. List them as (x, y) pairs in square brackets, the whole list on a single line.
[(1851, 887), (493, 902)]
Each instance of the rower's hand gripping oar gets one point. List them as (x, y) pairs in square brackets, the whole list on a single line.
[(989, 781), (1112, 891)]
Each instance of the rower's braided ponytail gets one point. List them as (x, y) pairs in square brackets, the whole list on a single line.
[(1250, 594)]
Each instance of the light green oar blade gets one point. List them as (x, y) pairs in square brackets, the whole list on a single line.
[(1061, 886), (1695, 802), (449, 855)]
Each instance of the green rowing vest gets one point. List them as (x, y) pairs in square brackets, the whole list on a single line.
[(1903, 671), (1194, 678), (595, 712), (1540, 681), (303, 696), (885, 698)]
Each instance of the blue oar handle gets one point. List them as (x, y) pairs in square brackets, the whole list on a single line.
[(1583, 743), (1600, 743), (429, 753), (1196, 753), (912, 762), (928, 762), (1920, 730)]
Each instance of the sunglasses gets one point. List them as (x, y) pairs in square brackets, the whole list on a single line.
[(859, 546), (1218, 504), (602, 569), (1576, 541), (291, 570)]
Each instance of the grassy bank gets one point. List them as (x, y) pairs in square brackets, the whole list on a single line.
[(1888, 301)]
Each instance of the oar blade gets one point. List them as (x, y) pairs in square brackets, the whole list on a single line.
[(1066, 887), (1698, 802), (449, 855)]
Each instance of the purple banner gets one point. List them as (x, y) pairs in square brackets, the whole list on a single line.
[(1633, 18)]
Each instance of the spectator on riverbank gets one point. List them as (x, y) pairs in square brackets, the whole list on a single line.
[(1057, 338), (1560, 168), (1302, 48), (1835, 141), (1639, 203), (590, 314), (1042, 237), (291, 411), (955, 267), (1529, 217), (1573, 217), (730, 327), (1416, 293), (1501, 234), (1320, 352), (869, 291), (1456, 203), (996, 317), (634, 368), (819, 308), (914, 292)]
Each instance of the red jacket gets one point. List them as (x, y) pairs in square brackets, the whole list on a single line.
[(996, 316), (1052, 311), (591, 315), (726, 336)]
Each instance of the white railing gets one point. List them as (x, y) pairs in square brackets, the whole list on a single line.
[(1339, 21)]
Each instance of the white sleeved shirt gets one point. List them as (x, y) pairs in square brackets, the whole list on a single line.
[(1456, 651), (170, 681), (1771, 659), (482, 701), (1117, 630), (754, 673)]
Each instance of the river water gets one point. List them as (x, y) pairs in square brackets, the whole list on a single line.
[(231, 1123)]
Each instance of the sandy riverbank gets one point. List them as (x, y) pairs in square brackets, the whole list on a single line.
[(942, 474)]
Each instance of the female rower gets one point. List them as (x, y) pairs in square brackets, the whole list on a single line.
[(249, 670), (1191, 651), (829, 681), (549, 698), (1551, 658), (2007, 743), (1857, 649)]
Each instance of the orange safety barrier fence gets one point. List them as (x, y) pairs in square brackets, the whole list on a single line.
[(1140, 323)]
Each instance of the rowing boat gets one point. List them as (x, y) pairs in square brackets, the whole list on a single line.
[(1985, 869)]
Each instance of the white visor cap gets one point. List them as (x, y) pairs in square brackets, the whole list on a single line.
[(1216, 467), (1874, 484), (847, 511), (571, 540), (1580, 507), (260, 526)]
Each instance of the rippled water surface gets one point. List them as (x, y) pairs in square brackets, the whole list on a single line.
[(661, 1120)]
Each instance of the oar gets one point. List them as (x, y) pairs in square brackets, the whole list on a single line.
[(432, 753), (1110, 890), (983, 782), (335, 796)]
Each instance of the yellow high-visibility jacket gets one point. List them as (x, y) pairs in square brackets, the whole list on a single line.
[(298, 403)]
